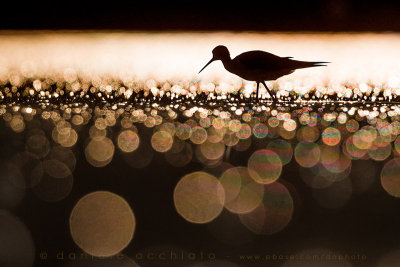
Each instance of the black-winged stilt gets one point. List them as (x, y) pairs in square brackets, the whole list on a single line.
[(259, 66)]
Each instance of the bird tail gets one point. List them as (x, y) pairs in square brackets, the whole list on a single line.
[(320, 63), (307, 64)]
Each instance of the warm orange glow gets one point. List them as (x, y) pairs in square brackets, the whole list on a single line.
[(355, 58)]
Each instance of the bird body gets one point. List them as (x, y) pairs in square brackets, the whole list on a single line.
[(259, 66), (263, 66)]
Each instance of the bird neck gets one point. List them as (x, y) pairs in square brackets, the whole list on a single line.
[(226, 61)]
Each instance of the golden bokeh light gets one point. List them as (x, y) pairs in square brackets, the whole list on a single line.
[(273, 214), (317, 177), (329, 154), (99, 153), (390, 177), (162, 141), (64, 155), (308, 134), (307, 154), (56, 168), (212, 151), (282, 148), (38, 145), (232, 182), (183, 131), (215, 135), (199, 197), (128, 141), (250, 193), (180, 154), (55, 181), (199, 135), (97, 134), (94, 227), (260, 130), (264, 166), (331, 136), (23, 170)]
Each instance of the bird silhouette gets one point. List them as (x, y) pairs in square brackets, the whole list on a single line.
[(259, 66)]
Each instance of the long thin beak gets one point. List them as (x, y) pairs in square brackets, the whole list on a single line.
[(207, 64)]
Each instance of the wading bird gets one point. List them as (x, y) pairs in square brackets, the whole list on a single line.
[(259, 66)]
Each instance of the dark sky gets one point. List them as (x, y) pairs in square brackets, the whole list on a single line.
[(313, 15)]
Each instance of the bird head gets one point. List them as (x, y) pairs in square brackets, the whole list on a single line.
[(219, 53)]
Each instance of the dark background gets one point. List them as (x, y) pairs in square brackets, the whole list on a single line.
[(313, 15), (367, 225)]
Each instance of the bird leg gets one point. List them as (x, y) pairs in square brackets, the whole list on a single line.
[(258, 85), (269, 91)]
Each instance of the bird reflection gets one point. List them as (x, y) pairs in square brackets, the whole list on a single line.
[(259, 66)]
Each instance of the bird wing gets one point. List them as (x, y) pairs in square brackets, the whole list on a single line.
[(260, 60), (263, 60)]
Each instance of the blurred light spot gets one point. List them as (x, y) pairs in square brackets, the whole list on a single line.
[(380, 153), (264, 166), (274, 212), (352, 150), (199, 135), (331, 136), (289, 125), (53, 189), (56, 168), (243, 144), (64, 155), (128, 141), (17, 123), (183, 131), (307, 154), (102, 223), (162, 141), (215, 135), (390, 177), (307, 134), (230, 139), (317, 177), (260, 130), (244, 131), (212, 151), (38, 145), (199, 197), (282, 148), (180, 156), (141, 157), (250, 194), (99, 153), (97, 134), (232, 182), (352, 125)]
